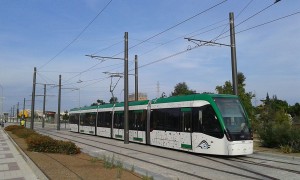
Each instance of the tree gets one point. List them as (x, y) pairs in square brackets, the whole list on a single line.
[(274, 124), (245, 97), (113, 100), (182, 89), (294, 111), (66, 115), (99, 102)]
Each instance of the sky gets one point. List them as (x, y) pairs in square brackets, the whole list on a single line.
[(56, 35)]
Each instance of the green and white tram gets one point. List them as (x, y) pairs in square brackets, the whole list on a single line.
[(199, 123)]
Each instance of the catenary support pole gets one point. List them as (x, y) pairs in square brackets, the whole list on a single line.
[(59, 99), (24, 111), (33, 99), (44, 107), (13, 114), (136, 97), (233, 54), (126, 127), (18, 112)]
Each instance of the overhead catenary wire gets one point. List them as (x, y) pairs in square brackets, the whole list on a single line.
[(164, 31), (184, 51), (215, 39), (180, 37), (262, 24), (182, 22), (181, 52), (227, 25), (77, 37), (107, 48), (226, 19), (247, 5), (247, 19)]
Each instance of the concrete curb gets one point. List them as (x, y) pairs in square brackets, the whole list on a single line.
[(31, 164), (280, 156)]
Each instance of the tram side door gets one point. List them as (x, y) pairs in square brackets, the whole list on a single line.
[(186, 128), (118, 125), (138, 125)]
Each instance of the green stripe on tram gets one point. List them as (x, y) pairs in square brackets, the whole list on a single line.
[(118, 136), (186, 146), (138, 111), (138, 139), (186, 109), (119, 112)]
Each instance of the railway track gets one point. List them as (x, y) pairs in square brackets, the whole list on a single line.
[(186, 165)]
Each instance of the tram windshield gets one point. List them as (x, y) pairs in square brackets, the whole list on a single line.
[(234, 118)]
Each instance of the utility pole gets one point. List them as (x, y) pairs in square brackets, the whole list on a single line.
[(33, 99), (18, 111), (126, 129), (233, 54), (13, 113), (44, 107), (102, 58), (59, 99), (24, 111), (44, 103), (2, 103), (136, 79), (157, 90)]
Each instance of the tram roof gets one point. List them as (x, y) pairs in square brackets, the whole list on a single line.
[(192, 97), (121, 104)]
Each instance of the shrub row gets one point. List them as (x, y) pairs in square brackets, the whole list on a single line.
[(23, 132), (282, 136), (41, 143)]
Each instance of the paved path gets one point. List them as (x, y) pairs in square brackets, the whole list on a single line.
[(13, 164)]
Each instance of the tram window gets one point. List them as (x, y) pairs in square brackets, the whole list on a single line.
[(132, 120), (74, 119), (173, 119), (197, 119), (210, 122), (137, 120), (166, 119), (119, 120), (87, 119), (153, 120), (186, 121), (100, 119), (104, 119), (82, 119), (157, 119)]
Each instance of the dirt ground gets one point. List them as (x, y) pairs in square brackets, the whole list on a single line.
[(80, 166), (258, 148), (83, 166)]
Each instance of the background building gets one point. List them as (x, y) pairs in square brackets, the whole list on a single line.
[(141, 96)]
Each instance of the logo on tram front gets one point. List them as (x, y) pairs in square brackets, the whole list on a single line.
[(204, 145)]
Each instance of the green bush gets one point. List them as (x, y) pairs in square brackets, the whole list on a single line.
[(23, 132), (283, 136), (294, 142), (41, 143), (269, 135), (68, 147)]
